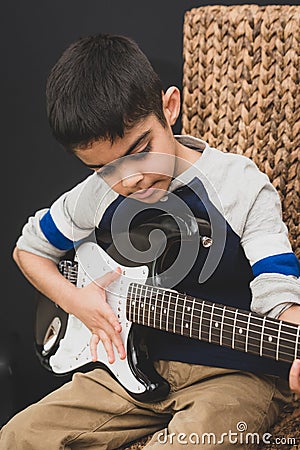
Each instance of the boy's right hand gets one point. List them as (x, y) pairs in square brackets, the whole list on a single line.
[(92, 309)]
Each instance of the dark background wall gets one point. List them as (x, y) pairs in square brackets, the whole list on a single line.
[(34, 169)]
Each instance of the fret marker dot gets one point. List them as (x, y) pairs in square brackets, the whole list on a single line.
[(165, 311), (133, 302), (241, 330), (216, 324), (270, 339), (152, 307), (186, 325), (188, 308)]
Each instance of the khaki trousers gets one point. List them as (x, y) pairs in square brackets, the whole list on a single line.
[(207, 408)]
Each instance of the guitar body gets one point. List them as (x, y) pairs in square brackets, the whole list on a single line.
[(62, 341), (141, 300)]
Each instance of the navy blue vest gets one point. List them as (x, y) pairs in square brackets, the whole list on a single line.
[(228, 285)]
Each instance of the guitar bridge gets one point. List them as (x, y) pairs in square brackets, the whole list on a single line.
[(69, 269)]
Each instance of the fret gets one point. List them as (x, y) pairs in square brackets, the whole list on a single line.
[(206, 321), (161, 310), (211, 322), (151, 306), (297, 342), (183, 316), (228, 326), (164, 304), (155, 315), (254, 334), (278, 339), (240, 330), (187, 316), (175, 311), (180, 314), (168, 312), (145, 301), (192, 317), (133, 303), (139, 304), (201, 318), (216, 319), (287, 343), (222, 324), (129, 304), (247, 332), (269, 338), (262, 337), (234, 325)]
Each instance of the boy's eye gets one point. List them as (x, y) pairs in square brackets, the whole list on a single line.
[(142, 153), (107, 170)]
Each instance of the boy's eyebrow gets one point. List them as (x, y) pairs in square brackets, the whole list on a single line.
[(131, 148)]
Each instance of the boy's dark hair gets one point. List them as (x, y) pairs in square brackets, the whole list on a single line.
[(101, 86)]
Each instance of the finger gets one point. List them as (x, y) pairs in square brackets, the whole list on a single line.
[(106, 341), (108, 320), (120, 348), (294, 377), (93, 346), (108, 278), (114, 337)]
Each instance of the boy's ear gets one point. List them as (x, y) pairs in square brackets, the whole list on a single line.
[(171, 104)]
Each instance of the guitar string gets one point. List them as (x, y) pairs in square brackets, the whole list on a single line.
[(189, 316), (240, 313), (252, 340), (214, 305), (253, 343), (216, 336)]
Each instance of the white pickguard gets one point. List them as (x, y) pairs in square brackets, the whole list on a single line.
[(74, 349)]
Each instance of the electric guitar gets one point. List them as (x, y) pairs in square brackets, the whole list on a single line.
[(62, 341)]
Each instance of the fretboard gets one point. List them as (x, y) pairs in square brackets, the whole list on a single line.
[(211, 322)]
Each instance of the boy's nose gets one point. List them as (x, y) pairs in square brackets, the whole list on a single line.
[(132, 180)]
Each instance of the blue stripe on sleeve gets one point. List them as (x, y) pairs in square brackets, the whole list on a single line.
[(284, 263), (52, 233)]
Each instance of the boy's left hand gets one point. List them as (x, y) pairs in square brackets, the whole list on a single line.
[(292, 315), (294, 377)]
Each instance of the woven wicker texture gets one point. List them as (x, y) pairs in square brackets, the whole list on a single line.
[(241, 94), (241, 90)]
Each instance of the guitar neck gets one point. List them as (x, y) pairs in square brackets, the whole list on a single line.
[(211, 322)]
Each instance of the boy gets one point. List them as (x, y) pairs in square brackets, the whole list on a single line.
[(107, 106)]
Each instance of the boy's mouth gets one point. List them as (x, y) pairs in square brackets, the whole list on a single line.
[(144, 193)]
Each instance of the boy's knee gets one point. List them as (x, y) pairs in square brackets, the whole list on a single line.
[(16, 433)]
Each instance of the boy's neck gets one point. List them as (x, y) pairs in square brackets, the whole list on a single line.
[(186, 157)]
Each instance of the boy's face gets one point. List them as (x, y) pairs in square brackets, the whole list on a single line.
[(141, 164)]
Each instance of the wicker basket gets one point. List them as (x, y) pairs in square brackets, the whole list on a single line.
[(241, 94), (241, 90)]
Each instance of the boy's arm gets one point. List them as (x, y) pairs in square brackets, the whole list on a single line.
[(88, 304), (292, 315), (276, 269), (48, 235)]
